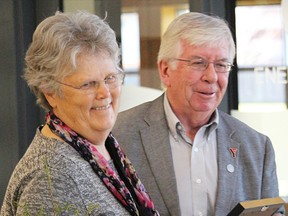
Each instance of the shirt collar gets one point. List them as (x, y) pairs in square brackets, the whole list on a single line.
[(172, 119)]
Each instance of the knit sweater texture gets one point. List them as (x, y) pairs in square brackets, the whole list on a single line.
[(53, 179)]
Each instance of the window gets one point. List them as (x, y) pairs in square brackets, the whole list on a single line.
[(261, 57), (130, 47)]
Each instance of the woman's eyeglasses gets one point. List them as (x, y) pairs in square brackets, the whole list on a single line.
[(111, 81)]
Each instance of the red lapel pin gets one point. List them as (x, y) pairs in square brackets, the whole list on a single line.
[(233, 152)]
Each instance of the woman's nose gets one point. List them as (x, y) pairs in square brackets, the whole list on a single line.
[(102, 90)]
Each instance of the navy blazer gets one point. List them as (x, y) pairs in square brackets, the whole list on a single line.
[(144, 135)]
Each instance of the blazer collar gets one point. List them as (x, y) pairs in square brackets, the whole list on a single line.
[(159, 155), (228, 148)]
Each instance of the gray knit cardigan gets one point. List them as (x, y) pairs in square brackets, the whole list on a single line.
[(53, 179)]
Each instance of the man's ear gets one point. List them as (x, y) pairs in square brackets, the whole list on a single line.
[(51, 98), (164, 71)]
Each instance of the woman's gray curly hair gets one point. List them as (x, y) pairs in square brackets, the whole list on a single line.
[(57, 43)]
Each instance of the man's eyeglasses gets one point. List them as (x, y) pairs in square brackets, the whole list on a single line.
[(111, 81), (201, 64)]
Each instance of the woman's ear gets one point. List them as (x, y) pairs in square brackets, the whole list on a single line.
[(51, 98), (164, 71)]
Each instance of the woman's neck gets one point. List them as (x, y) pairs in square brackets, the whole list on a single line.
[(100, 147), (48, 133)]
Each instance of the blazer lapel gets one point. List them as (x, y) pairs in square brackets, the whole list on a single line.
[(157, 147), (228, 156)]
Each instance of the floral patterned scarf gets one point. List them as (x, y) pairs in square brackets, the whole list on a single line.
[(126, 186)]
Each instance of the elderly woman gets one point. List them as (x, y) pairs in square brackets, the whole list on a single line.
[(74, 165)]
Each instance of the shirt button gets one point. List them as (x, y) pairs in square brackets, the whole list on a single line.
[(200, 213), (198, 181), (196, 149)]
